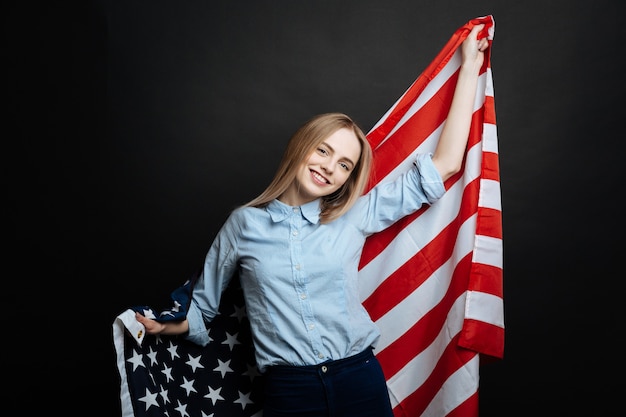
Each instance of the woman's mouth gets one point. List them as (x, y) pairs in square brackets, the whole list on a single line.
[(317, 177)]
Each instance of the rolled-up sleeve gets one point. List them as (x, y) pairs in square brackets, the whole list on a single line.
[(198, 333), (430, 179), (219, 268), (389, 201)]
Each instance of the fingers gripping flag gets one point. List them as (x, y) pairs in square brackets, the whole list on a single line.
[(432, 282)]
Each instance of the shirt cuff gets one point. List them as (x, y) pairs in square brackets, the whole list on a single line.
[(198, 333), (431, 180)]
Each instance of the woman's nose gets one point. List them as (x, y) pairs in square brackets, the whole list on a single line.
[(327, 166)]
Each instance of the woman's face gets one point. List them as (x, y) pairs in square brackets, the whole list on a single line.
[(326, 169)]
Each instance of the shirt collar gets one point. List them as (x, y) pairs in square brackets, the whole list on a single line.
[(279, 211)]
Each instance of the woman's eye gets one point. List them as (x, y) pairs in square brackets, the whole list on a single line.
[(345, 166), (322, 151)]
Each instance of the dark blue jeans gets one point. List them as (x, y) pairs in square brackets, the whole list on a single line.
[(351, 387)]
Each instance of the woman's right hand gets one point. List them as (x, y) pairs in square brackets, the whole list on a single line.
[(169, 328), (151, 326)]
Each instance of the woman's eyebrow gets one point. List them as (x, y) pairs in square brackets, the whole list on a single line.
[(333, 151)]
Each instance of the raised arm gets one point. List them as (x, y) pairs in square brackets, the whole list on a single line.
[(448, 155)]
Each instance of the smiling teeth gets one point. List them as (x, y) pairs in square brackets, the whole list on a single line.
[(319, 177)]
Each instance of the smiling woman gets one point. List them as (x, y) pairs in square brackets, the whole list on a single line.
[(324, 140), (296, 250), (326, 169)]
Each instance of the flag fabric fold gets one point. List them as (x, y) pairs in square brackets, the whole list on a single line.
[(432, 282)]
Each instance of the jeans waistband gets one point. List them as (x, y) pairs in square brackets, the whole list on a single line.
[(330, 366)]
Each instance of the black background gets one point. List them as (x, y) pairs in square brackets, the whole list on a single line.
[(134, 127)]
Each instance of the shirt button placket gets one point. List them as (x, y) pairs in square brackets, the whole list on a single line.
[(300, 280)]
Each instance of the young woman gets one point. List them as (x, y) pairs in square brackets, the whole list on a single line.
[(296, 249)]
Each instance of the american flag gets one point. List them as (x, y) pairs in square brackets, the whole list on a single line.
[(432, 282), (167, 376)]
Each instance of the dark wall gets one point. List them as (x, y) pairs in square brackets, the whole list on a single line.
[(134, 127)]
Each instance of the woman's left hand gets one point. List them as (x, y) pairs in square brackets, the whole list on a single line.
[(473, 49)]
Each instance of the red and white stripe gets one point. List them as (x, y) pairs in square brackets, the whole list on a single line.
[(433, 281)]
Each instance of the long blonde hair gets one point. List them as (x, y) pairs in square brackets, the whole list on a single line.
[(304, 141)]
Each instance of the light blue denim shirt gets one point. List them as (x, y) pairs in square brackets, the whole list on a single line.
[(299, 277)]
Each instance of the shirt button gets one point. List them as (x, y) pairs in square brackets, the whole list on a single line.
[(303, 296), (295, 209), (320, 355), (311, 326), (297, 267), (295, 233)]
